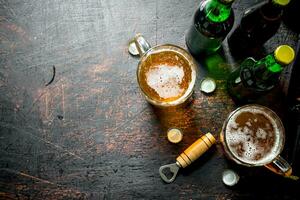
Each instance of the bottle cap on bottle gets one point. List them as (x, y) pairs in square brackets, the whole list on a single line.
[(284, 54), (282, 2)]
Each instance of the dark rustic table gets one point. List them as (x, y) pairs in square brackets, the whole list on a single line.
[(90, 134)]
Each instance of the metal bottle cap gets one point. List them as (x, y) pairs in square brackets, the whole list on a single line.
[(138, 45), (132, 48), (282, 2), (174, 135), (284, 54), (230, 178), (208, 85)]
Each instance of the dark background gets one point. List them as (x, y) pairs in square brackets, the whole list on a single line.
[(90, 134)]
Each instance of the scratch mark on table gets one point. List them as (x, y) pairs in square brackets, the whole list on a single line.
[(63, 99), (7, 125), (42, 93), (35, 101), (29, 176), (46, 106), (126, 123), (9, 9)]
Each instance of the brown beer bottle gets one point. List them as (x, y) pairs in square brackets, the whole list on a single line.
[(257, 25)]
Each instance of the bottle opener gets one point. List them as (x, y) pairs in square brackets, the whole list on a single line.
[(191, 154)]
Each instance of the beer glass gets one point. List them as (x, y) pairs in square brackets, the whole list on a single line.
[(166, 73), (253, 135)]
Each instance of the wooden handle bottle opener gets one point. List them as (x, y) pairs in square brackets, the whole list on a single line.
[(191, 154)]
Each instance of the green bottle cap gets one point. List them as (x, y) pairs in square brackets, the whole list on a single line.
[(282, 2), (284, 54)]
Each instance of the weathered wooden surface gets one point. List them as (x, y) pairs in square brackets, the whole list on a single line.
[(90, 134)]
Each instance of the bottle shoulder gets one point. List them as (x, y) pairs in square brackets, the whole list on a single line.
[(268, 63), (249, 62), (258, 16), (211, 28)]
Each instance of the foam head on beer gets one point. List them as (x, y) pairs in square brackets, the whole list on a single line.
[(253, 136), (165, 76)]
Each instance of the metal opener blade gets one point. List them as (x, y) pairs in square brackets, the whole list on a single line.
[(192, 153)]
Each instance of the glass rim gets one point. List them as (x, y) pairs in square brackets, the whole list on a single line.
[(277, 120), (192, 63)]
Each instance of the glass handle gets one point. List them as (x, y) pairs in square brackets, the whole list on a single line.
[(280, 166), (141, 44)]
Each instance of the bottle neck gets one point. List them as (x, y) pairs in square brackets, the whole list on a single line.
[(263, 75), (272, 10), (217, 11), (271, 64)]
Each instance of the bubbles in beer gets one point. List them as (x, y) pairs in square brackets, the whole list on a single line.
[(166, 80), (252, 135), (165, 76)]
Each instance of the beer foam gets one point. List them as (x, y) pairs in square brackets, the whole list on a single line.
[(166, 80), (253, 140)]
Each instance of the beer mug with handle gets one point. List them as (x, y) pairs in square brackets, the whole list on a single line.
[(253, 135), (166, 73)]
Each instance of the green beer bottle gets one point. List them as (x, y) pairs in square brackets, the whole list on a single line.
[(211, 24), (255, 78)]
